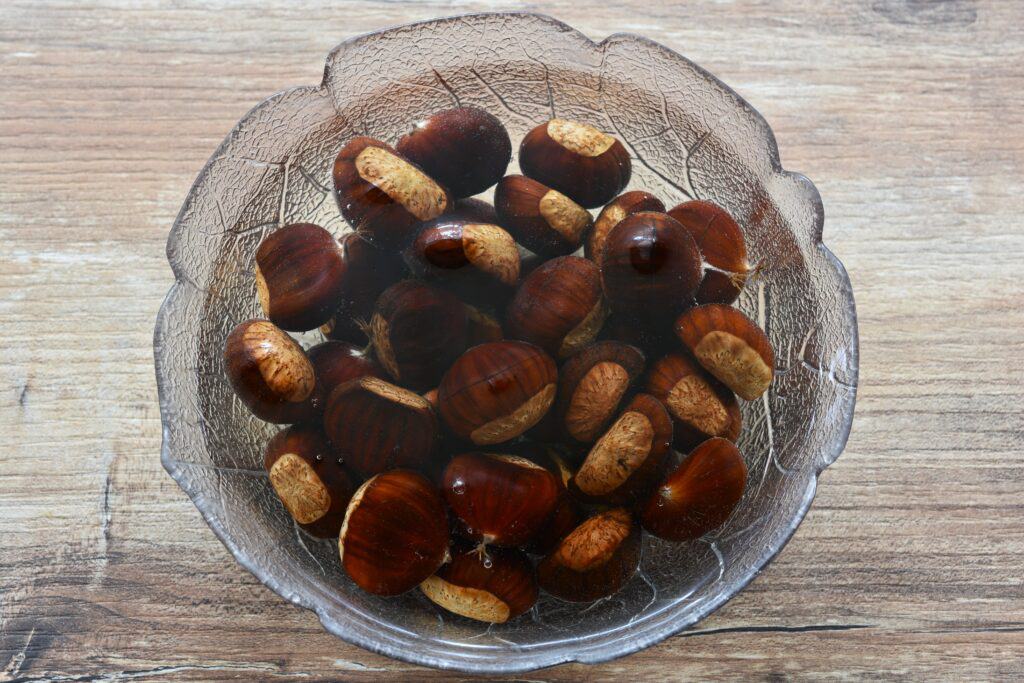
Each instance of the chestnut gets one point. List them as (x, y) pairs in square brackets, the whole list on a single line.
[(700, 405), (559, 307), (417, 331), (699, 495), (591, 385), (611, 215), (466, 149), (543, 220), (395, 533), (383, 195), (492, 587), (473, 210), (464, 252), (720, 240), (500, 499), (595, 560), (369, 270), (337, 362), (270, 373), (377, 426), (494, 392), (730, 346), (576, 159), (650, 266), (300, 270), (628, 459), (307, 477)]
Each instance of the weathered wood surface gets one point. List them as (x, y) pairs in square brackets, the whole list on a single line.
[(909, 115)]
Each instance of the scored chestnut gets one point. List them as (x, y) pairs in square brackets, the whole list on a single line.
[(395, 533), (369, 270), (576, 159), (300, 271), (494, 392), (337, 362), (594, 560), (377, 426), (306, 475), (472, 254), (720, 240), (591, 385), (699, 495), (466, 149), (543, 220), (382, 194), (270, 373), (611, 215), (730, 346), (700, 405), (650, 266), (627, 461), (493, 587), (417, 331), (500, 499), (559, 307)]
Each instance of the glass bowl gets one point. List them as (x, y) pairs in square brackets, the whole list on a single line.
[(689, 135)]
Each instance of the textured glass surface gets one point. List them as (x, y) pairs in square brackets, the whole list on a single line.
[(690, 136)]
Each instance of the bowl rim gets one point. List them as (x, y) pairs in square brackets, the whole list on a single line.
[(597, 652)]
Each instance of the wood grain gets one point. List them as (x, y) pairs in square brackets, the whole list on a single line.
[(909, 115)]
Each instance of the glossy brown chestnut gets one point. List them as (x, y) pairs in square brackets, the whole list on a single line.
[(699, 495), (720, 240), (369, 270), (500, 499), (629, 458), (473, 210), (611, 215), (382, 194), (594, 560), (337, 362), (591, 386), (730, 346), (543, 220), (395, 533), (270, 373), (650, 266), (466, 149), (700, 405), (300, 271), (308, 478), (559, 307), (494, 392), (464, 252), (576, 159), (492, 587), (417, 331), (378, 426)]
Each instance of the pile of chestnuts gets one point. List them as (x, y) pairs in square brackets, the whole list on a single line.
[(490, 414)]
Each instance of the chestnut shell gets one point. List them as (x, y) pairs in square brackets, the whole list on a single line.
[(395, 533), (465, 149)]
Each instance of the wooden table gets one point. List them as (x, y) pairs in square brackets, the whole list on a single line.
[(909, 115)]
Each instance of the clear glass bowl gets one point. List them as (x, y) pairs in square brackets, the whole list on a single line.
[(690, 136)]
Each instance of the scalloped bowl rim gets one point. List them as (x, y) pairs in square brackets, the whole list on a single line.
[(595, 653)]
